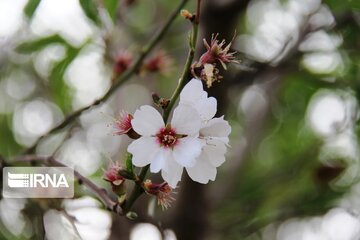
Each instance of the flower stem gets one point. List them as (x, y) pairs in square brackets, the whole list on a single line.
[(187, 69), (137, 191)]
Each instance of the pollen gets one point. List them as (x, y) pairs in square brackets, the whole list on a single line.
[(167, 137)]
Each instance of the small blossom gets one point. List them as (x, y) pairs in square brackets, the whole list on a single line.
[(122, 62), (113, 176), (123, 123), (167, 148), (218, 52), (163, 192), (214, 132), (207, 67), (160, 63)]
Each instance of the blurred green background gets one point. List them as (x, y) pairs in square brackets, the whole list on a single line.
[(293, 167)]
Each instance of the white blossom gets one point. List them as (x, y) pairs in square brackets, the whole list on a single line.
[(167, 148), (213, 133)]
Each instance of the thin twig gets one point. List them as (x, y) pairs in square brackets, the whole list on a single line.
[(198, 9), (137, 191), (120, 79), (187, 68), (100, 192)]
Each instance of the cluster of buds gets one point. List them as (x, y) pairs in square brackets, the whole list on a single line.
[(159, 63), (163, 193), (217, 53), (123, 125)]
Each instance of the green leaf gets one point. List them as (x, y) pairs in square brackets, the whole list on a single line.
[(90, 10), (8, 144), (128, 163), (60, 91), (36, 45), (31, 7), (111, 7)]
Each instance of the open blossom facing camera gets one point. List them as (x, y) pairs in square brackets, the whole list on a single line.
[(194, 139), (214, 132), (170, 147)]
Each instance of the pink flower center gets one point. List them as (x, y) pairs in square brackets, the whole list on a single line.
[(167, 137)]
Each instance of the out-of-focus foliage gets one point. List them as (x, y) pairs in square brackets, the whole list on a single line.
[(293, 104)]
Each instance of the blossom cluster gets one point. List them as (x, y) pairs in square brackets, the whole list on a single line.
[(194, 139), (217, 53)]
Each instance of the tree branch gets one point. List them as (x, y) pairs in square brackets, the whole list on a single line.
[(187, 67), (120, 79), (137, 191), (100, 192)]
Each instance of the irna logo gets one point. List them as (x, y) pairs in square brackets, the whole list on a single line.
[(38, 182), (18, 180)]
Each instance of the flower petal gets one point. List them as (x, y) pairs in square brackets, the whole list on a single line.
[(186, 120), (160, 160), (193, 95), (216, 127), (144, 150), (173, 173), (203, 171), (187, 150), (192, 92), (147, 121), (206, 108), (215, 152)]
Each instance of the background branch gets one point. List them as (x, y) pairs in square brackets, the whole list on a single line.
[(51, 161), (119, 81)]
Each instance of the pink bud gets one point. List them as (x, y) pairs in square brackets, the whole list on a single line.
[(122, 62), (160, 63), (112, 175), (163, 192)]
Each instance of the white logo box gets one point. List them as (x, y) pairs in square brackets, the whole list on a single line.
[(38, 182)]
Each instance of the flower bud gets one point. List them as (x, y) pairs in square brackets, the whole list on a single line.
[(187, 15), (113, 176), (122, 62), (131, 215), (159, 63), (163, 192)]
